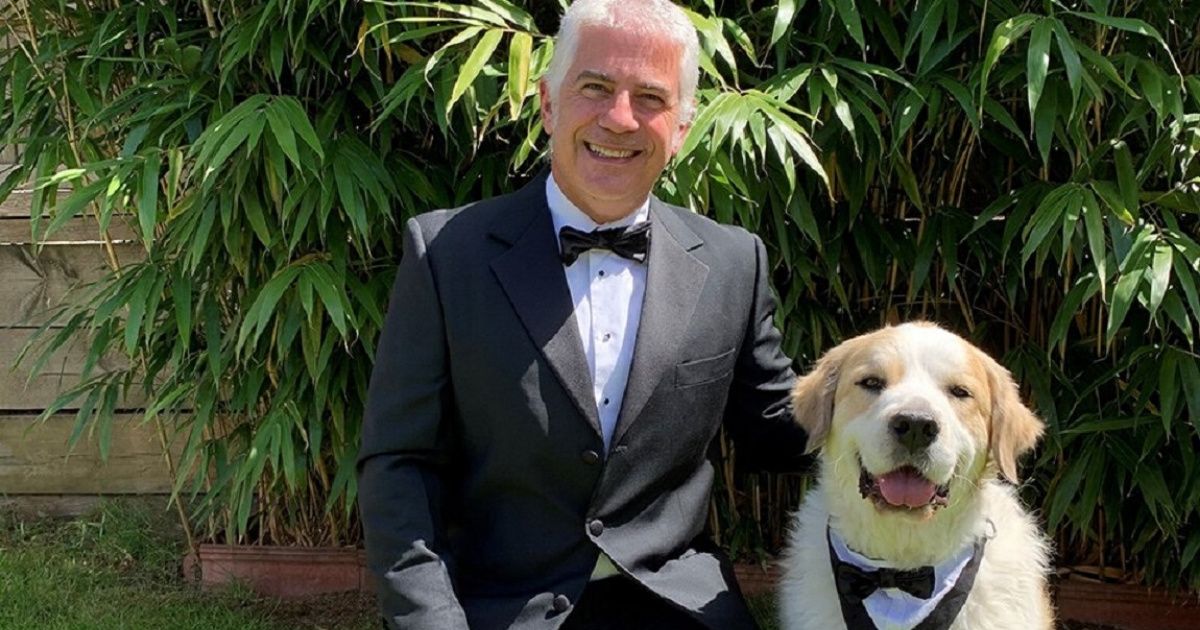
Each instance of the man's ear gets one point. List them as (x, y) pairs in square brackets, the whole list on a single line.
[(682, 130), (546, 106), (1014, 428), (812, 397), (680, 136)]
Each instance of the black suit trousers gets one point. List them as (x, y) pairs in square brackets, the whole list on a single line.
[(618, 603)]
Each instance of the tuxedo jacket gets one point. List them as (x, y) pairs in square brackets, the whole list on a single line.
[(485, 489)]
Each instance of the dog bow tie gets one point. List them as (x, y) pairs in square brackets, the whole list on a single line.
[(855, 584), (631, 243)]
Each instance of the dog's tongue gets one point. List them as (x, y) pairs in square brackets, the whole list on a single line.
[(906, 487)]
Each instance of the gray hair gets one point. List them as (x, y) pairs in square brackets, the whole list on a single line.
[(645, 17)]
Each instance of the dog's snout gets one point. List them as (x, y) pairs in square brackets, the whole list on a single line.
[(916, 431)]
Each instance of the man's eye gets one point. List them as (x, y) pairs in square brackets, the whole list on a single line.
[(595, 88), (872, 384)]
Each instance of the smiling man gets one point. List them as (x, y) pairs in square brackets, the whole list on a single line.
[(557, 363)]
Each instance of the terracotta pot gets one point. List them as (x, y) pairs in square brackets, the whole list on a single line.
[(756, 579), (1126, 606), (284, 572)]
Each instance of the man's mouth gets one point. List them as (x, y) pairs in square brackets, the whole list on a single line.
[(904, 488), (607, 153)]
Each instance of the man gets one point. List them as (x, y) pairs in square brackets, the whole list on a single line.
[(545, 394)]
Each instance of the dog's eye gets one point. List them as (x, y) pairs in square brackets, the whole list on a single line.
[(958, 391), (872, 384)]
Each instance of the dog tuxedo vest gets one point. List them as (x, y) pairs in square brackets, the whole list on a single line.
[(877, 597)]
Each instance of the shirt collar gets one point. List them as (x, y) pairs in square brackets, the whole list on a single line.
[(564, 213)]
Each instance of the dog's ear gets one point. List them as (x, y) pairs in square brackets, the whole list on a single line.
[(1015, 429), (812, 398)]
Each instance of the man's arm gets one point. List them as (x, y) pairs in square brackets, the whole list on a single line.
[(405, 439), (758, 415)]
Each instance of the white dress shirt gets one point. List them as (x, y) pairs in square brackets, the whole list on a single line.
[(607, 291)]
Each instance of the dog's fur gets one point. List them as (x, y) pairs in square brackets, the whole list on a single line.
[(979, 440)]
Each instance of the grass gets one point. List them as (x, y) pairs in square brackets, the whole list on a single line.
[(115, 568)]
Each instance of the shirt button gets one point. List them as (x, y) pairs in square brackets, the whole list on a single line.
[(561, 603), (595, 527), (605, 402), (601, 273), (607, 336), (591, 458)]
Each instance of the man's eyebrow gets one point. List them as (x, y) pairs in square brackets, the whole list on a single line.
[(596, 75)]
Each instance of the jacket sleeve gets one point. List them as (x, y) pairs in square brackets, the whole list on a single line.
[(758, 414), (405, 442)]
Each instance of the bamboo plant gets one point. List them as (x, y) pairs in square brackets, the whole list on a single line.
[(1023, 172)]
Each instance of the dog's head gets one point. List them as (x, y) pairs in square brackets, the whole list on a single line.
[(913, 415)]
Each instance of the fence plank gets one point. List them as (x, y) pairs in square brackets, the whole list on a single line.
[(34, 458), (34, 282), (83, 229), (60, 372)]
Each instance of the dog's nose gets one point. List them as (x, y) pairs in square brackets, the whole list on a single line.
[(916, 431)]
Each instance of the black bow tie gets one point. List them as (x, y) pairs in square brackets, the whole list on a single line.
[(855, 584), (631, 243)]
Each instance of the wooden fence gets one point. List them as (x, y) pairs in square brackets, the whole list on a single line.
[(38, 472)]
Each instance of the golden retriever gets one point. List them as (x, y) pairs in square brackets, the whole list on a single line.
[(910, 525)]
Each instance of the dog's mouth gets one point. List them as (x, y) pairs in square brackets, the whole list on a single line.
[(904, 488)]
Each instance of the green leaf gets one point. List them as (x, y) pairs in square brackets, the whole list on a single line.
[(1093, 223), (1038, 61), (519, 51), (1047, 216), (1130, 25), (1067, 486), (1160, 275), (474, 64), (1113, 199), (1085, 288), (181, 291), (1189, 373), (1173, 306), (148, 199), (1005, 34), (281, 131), (1168, 387), (300, 123), (847, 11), (1106, 68), (1044, 120), (785, 10), (1126, 179), (1124, 294), (1066, 47), (260, 311)]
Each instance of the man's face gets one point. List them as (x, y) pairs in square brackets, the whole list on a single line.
[(616, 121)]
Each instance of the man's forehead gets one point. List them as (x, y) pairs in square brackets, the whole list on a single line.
[(614, 55)]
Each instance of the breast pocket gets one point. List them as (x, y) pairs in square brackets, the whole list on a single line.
[(706, 370)]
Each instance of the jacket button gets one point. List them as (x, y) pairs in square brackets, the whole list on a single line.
[(591, 458), (561, 603), (595, 527)]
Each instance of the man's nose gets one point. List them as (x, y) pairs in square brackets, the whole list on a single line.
[(619, 118)]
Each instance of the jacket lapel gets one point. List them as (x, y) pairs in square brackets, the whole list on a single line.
[(532, 277), (674, 281)]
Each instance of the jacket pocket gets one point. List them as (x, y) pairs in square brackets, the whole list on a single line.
[(701, 371)]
